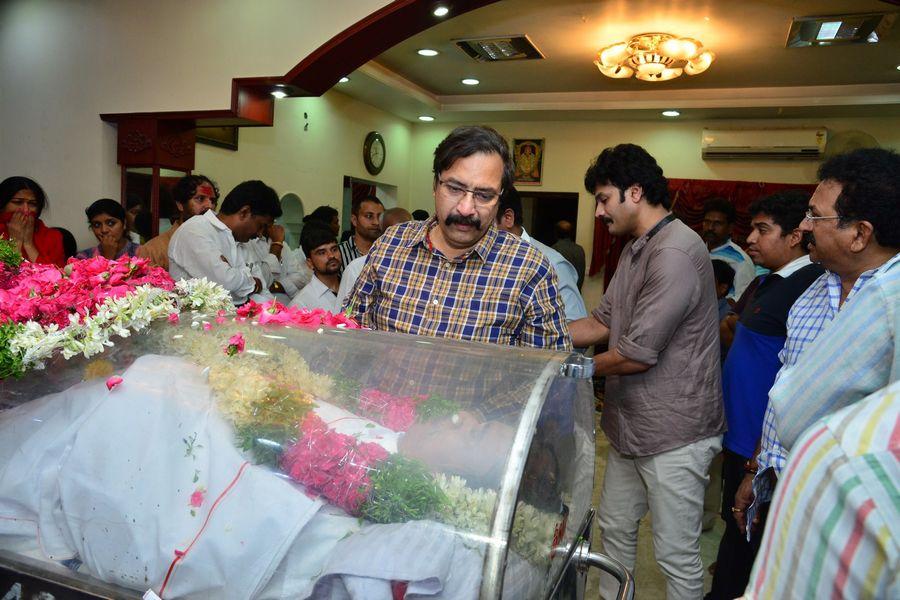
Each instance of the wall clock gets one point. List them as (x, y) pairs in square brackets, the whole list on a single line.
[(374, 152)]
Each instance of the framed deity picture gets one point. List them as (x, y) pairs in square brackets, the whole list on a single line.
[(528, 156)]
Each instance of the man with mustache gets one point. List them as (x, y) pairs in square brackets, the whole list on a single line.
[(193, 195), (663, 411), (324, 259), (718, 219), (456, 275), (365, 216)]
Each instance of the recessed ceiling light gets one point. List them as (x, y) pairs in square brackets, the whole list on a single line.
[(470, 81), (426, 118), (279, 94), (427, 52), (343, 80), (898, 67), (441, 11), (670, 113)]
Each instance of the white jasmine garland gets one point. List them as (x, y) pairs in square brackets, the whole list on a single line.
[(120, 316)]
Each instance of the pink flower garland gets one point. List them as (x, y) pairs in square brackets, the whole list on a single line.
[(394, 412), (276, 313), (49, 294), (332, 464)]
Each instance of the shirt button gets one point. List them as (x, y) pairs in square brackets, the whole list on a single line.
[(435, 302)]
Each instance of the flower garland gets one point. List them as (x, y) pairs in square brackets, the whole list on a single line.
[(275, 313), (472, 510), (258, 383), (79, 308), (399, 413), (332, 464), (49, 294), (30, 344)]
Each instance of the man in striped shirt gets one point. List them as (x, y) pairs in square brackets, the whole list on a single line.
[(852, 222), (834, 524), (365, 216), (456, 275)]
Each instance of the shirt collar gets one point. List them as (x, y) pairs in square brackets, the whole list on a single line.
[(639, 243), (482, 248), (793, 266), (725, 245), (525, 237), (319, 288), (212, 218)]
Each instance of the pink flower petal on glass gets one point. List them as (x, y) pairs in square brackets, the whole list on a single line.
[(174, 318), (113, 382)]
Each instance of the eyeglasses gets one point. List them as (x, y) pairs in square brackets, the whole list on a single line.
[(809, 216), (457, 192)]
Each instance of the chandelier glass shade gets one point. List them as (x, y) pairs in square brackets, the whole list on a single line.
[(654, 57)]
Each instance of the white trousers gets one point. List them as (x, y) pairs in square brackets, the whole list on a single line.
[(671, 485)]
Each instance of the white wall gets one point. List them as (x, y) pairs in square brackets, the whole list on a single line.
[(570, 147), (312, 163), (63, 62)]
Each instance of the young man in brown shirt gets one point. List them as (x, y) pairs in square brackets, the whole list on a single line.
[(663, 411)]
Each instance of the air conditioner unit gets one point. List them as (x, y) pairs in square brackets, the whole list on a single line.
[(763, 143)]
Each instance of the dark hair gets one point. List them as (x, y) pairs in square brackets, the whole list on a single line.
[(720, 205), (105, 206), (468, 140), (314, 235), (510, 200), (11, 185), (787, 208), (870, 190), (564, 230), (70, 246), (420, 215), (626, 165), (355, 206), (185, 188), (723, 272), (143, 224), (323, 214), (132, 200), (260, 198)]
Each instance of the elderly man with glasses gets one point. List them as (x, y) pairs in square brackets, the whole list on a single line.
[(456, 275), (852, 226)]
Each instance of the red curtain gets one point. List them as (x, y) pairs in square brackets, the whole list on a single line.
[(688, 197)]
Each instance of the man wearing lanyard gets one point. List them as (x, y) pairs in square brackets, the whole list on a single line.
[(663, 412)]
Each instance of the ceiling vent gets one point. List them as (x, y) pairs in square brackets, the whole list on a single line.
[(500, 48), (839, 29)]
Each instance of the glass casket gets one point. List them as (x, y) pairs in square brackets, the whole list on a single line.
[(217, 457)]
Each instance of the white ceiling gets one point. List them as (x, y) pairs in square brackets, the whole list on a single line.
[(754, 75)]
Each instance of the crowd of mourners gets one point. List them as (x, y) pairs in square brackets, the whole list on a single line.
[(770, 367)]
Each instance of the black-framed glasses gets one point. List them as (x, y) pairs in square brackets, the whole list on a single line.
[(456, 192), (810, 217)]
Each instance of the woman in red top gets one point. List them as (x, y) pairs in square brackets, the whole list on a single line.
[(21, 202)]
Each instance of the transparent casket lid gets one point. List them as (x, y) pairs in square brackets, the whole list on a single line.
[(232, 459)]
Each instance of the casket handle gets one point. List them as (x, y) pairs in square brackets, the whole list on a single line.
[(583, 557), (578, 366)]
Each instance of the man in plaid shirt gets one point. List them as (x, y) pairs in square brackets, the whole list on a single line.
[(456, 275)]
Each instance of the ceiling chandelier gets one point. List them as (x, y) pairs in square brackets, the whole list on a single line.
[(654, 57)]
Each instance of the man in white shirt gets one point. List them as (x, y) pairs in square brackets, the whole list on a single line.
[(389, 218), (718, 219), (509, 218), (324, 259), (207, 245), (284, 269)]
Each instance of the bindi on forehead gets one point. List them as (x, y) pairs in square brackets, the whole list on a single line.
[(206, 190)]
